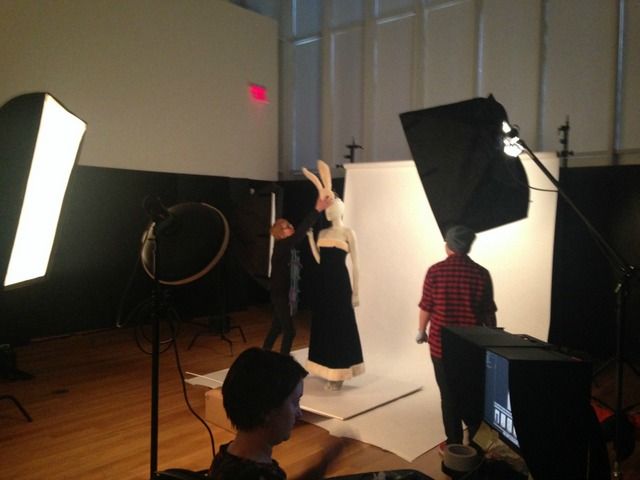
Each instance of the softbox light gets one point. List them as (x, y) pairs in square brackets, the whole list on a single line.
[(39, 144), (468, 179)]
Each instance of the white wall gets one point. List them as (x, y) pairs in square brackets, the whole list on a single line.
[(543, 60), (162, 84)]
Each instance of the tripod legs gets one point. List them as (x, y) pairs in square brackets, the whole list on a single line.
[(219, 326)]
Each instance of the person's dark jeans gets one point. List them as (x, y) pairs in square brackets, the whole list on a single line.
[(282, 322), (450, 417)]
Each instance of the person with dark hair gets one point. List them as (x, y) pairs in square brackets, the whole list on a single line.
[(270, 379), (284, 260), (456, 291), (261, 395)]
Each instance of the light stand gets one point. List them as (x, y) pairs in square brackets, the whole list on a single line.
[(627, 274), (565, 153), (155, 353), (351, 156), (192, 238)]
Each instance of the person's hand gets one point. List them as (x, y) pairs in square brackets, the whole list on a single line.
[(322, 203), (421, 337)]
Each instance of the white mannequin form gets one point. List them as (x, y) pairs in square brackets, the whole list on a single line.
[(340, 237)]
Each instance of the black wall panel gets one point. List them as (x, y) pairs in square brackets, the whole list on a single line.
[(95, 273), (584, 278)]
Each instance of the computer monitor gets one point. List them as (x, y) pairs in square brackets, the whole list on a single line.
[(545, 393), (497, 399), (464, 361)]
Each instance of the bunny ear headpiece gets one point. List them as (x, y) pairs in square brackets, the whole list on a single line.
[(324, 186)]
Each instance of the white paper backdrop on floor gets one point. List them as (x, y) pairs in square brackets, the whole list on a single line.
[(356, 397), (398, 239)]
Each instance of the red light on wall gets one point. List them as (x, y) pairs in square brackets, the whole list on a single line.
[(258, 93)]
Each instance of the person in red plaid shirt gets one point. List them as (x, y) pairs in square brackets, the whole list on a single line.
[(456, 291)]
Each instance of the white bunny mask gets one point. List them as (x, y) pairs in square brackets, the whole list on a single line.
[(324, 186)]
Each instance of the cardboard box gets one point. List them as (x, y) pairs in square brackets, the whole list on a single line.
[(214, 411)]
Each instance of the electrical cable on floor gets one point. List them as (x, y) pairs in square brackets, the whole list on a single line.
[(186, 399)]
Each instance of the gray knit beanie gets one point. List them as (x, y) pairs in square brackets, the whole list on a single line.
[(459, 239)]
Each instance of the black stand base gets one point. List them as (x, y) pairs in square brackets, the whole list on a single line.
[(10, 372), (8, 365), (15, 374), (219, 326), (18, 406), (612, 362)]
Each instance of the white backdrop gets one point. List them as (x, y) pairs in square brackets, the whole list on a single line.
[(398, 239)]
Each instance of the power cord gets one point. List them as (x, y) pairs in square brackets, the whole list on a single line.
[(186, 399)]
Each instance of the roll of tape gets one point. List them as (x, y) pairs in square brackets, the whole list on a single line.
[(460, 458)]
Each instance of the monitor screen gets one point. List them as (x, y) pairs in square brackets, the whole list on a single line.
[(497, 401)]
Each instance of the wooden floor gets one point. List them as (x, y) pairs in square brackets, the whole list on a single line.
[(90, 403)]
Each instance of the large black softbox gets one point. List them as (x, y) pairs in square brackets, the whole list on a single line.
[(468, 179)]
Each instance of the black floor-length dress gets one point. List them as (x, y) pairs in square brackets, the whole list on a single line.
[(335, 352)]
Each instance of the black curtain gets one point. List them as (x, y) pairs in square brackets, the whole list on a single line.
[(584, 281)]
